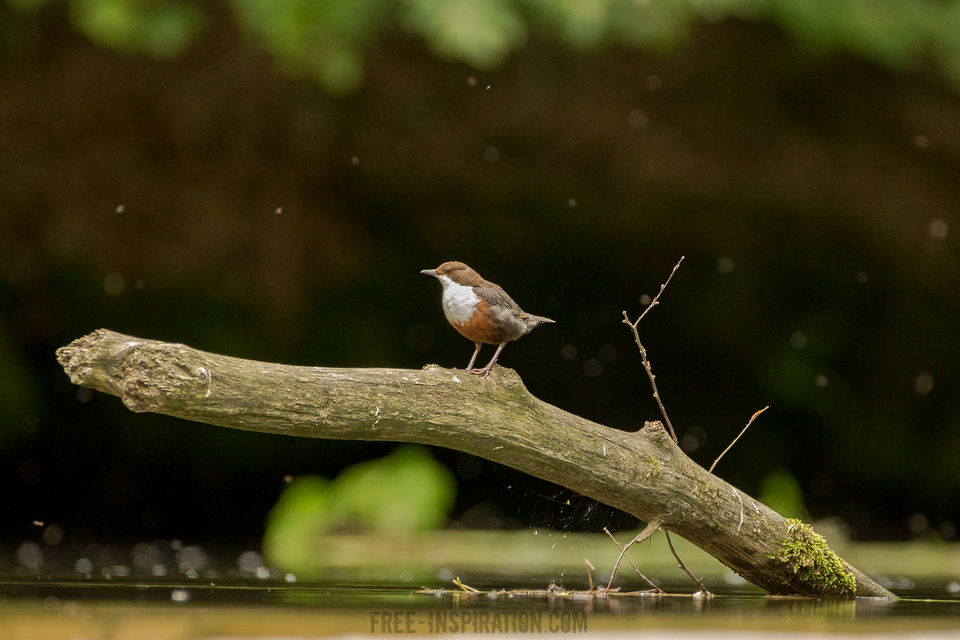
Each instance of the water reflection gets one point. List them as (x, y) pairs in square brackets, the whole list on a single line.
[(157, 560), (64, 579), (53, 595)]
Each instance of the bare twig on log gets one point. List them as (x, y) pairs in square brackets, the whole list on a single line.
[(646, 533), (643, 473), (666, 533), (743, 431), (643, 352)]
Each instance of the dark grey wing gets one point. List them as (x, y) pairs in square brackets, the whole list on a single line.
[(497, 297)]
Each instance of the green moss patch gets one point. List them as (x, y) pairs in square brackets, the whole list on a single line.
[(807, 555)]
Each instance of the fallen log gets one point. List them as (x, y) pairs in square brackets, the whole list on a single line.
[(643, 473)]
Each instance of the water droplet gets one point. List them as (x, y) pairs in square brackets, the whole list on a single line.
[(191, 560), (83, 565), (53, 535), (114, 284), (30, 556), (938, 229), (592, 368), (250, 561), (923, 383), (917, 523), (637, 119), (725, 265), (946, 530)]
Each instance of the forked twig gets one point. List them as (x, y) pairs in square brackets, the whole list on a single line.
[(623, 551), (643, 352), (465, 587), (749, 422), (648, 531), (703, 589)]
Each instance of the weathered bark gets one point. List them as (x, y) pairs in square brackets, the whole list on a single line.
[(642, 473)]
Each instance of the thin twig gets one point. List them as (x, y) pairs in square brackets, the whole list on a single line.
[(640, 573), (590, 570), (749, 422), (656, 298), (465, 587), (666, 532), (648, 531), (643, 352)]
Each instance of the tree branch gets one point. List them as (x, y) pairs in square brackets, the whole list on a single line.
[(642, 473)]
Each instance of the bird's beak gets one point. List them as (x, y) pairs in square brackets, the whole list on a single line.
[(429, 272)]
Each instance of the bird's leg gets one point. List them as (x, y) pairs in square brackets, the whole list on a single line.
[(486, 370), (474, 358)]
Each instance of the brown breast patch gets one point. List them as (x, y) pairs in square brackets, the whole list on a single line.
[(481, 327)]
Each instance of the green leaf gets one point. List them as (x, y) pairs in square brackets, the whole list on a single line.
[(479, 32), (781, 492), (302, 511), (405, 491), (322, 38), (161, 29)]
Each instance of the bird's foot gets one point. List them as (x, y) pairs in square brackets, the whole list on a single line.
[(485, 372)]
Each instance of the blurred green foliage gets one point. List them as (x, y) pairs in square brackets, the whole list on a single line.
[(403, 492), (160, 29), (323, 39), (781, 492), (327, 38)]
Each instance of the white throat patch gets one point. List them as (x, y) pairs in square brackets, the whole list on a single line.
[(458, 301)]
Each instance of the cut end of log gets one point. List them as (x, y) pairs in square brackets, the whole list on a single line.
[(146, 375), (75, 357)]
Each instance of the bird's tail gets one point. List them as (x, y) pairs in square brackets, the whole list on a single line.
[(533, 321)]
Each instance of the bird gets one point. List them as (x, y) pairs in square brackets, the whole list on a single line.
[(481, 311)]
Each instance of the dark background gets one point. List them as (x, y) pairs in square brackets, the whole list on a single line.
[(218, 194)]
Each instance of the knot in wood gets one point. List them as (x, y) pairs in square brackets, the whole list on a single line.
[(153, 377)]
